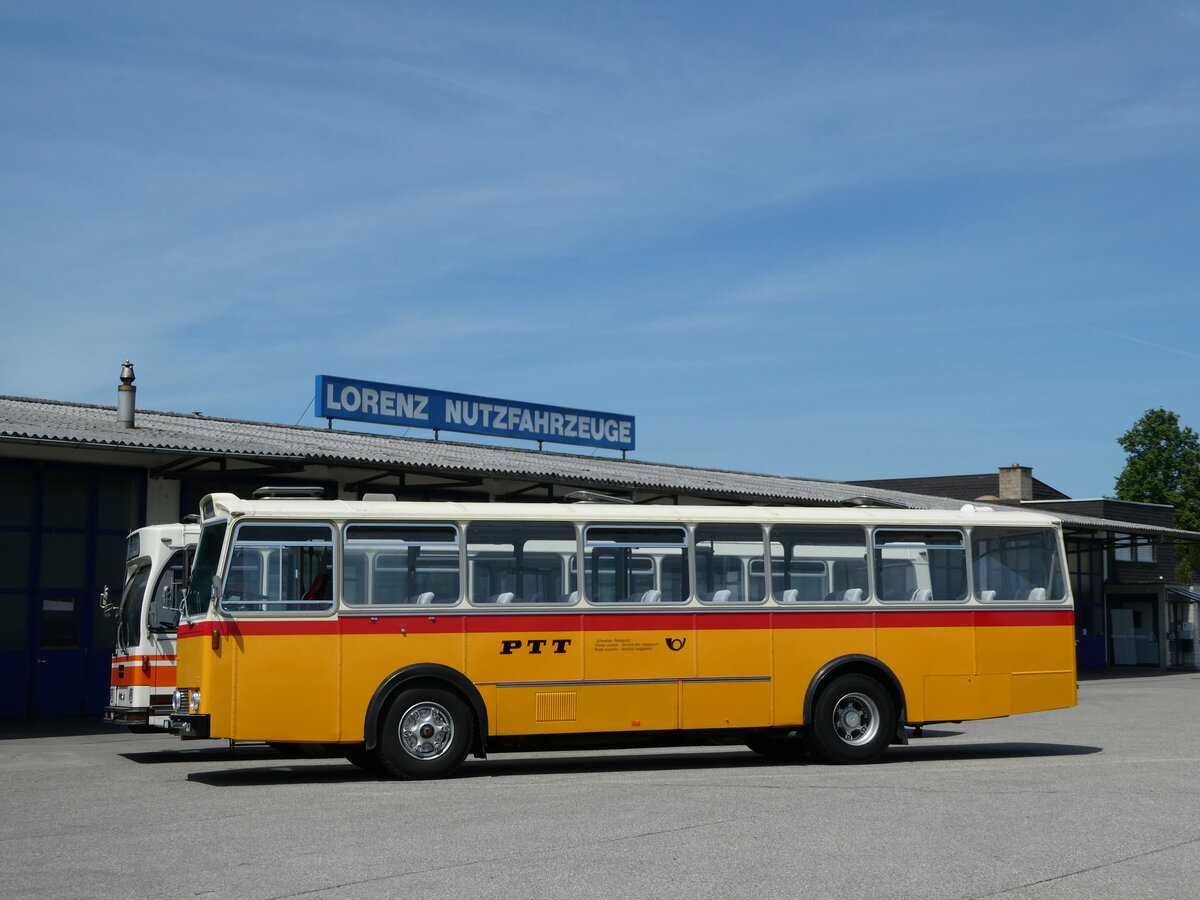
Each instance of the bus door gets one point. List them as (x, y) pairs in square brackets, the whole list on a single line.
[(162, 620), (524, 638), (732, 686), (640, 651), (929, 645), (279, 633), (819, 580)]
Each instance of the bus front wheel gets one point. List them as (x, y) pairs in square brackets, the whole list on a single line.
[(853, 720), (425, 734)]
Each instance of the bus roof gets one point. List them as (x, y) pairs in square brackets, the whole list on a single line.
[(416, 511)]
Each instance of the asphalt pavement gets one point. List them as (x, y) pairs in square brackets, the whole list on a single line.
[(1102, 800)]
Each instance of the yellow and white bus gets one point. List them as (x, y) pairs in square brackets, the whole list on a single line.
[(407, 635)]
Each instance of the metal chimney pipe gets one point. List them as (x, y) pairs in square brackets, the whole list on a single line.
[(126, 396)]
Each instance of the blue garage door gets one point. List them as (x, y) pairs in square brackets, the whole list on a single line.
[(62, 538)]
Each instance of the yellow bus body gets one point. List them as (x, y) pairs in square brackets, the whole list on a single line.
[(587, 670), (311, 682)]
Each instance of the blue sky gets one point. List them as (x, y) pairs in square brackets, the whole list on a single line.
[(860, 240)]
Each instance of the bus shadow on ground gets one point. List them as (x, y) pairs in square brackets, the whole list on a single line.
[(331, 771), (917, 751), (324, 771), (186, 754)]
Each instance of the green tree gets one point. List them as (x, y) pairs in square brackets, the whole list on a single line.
[(1162, 465)]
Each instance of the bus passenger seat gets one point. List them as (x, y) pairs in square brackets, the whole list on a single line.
[(506, 597), (318, 591), (1037, 595), (652, 597), (850, 595), (791, 595), (722, 596), (424, 599), (922, 595), (987, 596)]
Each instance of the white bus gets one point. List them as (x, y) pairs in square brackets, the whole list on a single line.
[(157, 561)]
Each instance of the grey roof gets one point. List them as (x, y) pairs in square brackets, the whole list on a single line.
[(1073, 522), (966, 487), (25, 419), (30, 420)]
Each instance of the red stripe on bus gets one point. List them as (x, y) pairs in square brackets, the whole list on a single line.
[(137, 660), (491, 623)]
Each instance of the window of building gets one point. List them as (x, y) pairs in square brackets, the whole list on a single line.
[(1133, 548)]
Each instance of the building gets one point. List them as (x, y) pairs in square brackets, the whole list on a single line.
[(77, 478), (1129, 610)]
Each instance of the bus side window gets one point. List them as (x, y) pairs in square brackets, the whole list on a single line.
[(636, 564), (918, 565), (521, 562), (392, 564), (1017, 565), (280, 568), (168, 594), (726, 559), (818, 563)]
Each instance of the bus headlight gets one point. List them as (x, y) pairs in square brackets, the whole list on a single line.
[(177, 700), (194, 704)]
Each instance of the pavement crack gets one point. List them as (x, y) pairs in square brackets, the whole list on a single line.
[(490, 859), (1086, 869)]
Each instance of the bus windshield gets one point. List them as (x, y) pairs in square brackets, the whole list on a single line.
[(199, 592), (129, 628)]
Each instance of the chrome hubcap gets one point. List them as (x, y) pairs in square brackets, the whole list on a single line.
[(426, 731), (856, 719)]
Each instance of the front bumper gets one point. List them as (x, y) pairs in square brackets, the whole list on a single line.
[(127, 715), (190, 728)]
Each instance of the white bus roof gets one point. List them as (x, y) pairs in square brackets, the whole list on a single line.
[(968, 514)]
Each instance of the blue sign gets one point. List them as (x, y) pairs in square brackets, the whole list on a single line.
[(394, 404)]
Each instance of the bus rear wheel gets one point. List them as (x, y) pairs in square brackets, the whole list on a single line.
[(426, 733), (853, 720)]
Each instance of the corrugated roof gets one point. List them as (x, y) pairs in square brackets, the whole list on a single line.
[(24, 419)]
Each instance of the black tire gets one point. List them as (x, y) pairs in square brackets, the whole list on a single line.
[(853, 721), (426, 733), (367, 760), (781, 748)]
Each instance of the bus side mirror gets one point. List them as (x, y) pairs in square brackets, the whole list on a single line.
[(215, 597), (106, 605)]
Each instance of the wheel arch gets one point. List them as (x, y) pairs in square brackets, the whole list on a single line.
[(431, 674), (860, 664)]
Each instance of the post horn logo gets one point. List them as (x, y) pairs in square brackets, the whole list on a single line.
[(676, 644)]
